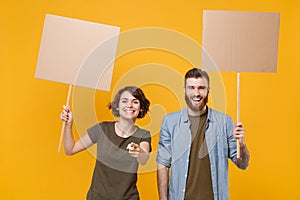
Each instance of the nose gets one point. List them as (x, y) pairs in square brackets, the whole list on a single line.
[(129, 104), (196, 92)]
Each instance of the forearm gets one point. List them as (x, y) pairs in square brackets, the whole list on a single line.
[(139, 151), (162, 182), (69, 141), (243, 160), (238, 134), (143, 158)]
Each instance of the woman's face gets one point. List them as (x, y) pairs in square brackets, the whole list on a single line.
[(129, 106)]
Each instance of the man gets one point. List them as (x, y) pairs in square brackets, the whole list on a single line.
[(196, 143)]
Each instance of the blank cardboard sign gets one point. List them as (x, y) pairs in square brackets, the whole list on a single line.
[(240, 41), (77, 52)]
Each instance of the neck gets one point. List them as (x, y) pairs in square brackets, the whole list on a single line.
[(125, 128), (126, 123), (198, 112)]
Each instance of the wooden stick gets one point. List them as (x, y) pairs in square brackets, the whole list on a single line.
[(238, 113), (64, 123)]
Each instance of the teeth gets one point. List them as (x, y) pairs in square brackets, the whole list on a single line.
[(129, 110)]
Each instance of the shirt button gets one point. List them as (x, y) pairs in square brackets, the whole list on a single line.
[(187, 160), (185, 175)]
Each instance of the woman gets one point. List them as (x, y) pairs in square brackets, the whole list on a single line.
[(121, 146)]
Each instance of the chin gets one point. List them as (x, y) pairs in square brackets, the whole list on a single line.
[(130, 117)]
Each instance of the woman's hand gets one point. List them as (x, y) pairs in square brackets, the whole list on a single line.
[(66, 115), (140, 152), (134, 149)]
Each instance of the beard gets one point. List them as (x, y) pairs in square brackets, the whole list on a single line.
[(192, 106)]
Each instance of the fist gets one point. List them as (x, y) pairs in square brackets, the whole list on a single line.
[(239, 132), (66, 115), (134, 149)]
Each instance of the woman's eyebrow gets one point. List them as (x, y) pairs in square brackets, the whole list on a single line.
[(125, 98)]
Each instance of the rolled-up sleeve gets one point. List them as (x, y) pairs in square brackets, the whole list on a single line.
[(164, 145), (231, 140)]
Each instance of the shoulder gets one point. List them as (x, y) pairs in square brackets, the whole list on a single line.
[(215, 115), (218, 114), (175, 115), (143, 133), (101, 127), (107, 123)]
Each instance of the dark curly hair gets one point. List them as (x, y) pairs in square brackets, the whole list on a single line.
[(138, 94)]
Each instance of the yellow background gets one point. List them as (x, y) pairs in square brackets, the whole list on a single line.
[(31, 168)]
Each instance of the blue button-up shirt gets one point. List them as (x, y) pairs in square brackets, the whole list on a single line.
[(174, 150)]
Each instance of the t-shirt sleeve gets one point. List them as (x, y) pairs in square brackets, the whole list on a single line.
[(94, 131), (147, 138)]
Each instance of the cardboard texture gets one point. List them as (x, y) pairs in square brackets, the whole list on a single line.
[(77, 52), (240, 41)]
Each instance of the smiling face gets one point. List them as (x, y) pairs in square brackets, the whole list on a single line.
[(196, 95), (129, 106)]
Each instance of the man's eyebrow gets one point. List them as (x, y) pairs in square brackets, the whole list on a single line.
[(193, 86)]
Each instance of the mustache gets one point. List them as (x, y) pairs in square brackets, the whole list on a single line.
[(197, 96)]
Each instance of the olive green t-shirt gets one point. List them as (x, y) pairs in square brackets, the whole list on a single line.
[(115, 173), (199, 183)]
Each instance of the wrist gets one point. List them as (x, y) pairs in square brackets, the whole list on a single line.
[(68, 124), (242, 142)]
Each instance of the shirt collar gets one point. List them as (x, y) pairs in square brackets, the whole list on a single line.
[(185, 116)]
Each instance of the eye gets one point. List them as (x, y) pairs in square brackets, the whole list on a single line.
[(136, 102), (190, 87)]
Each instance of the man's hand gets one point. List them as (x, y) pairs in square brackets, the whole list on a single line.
[(239, 133)]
